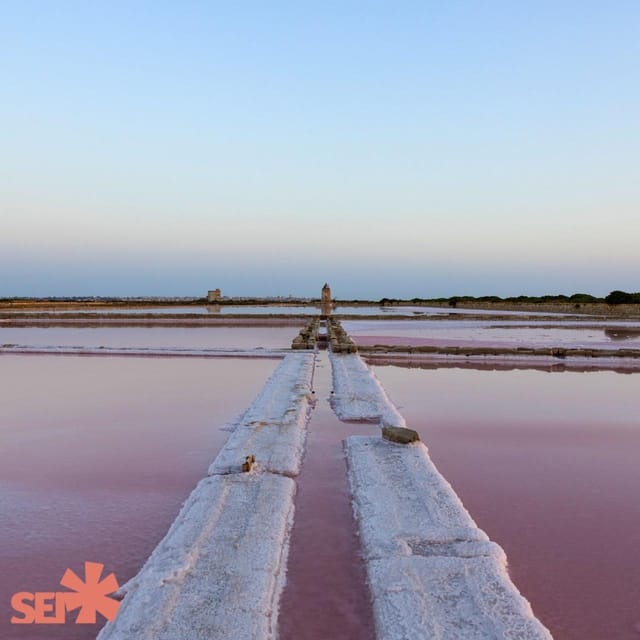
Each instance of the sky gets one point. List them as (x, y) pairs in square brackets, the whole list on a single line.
[(398, 149)]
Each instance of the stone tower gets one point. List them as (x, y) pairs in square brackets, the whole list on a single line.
[(325, 300)]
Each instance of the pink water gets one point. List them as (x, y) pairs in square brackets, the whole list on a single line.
[(96, 457), (364, 310), (149, 337), (549, 465), (326, 594), (491, 334)]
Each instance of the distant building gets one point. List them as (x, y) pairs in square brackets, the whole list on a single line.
[(214, 295)]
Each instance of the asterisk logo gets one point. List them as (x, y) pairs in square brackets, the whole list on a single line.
[(92, 593)]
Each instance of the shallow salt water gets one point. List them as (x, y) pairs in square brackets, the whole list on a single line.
[(214, 310), (548, 464), (150, 337), (96, 457), (512, 334)]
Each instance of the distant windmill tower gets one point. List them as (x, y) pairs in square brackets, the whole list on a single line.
[(325, 300)]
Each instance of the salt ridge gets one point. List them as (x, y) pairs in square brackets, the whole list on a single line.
[(432, 572), (274, 427), (219, 571), (358, 394)]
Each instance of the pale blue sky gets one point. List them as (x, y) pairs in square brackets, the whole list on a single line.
[(392, 148)]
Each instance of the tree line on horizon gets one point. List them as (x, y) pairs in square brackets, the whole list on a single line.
[(613, 298)]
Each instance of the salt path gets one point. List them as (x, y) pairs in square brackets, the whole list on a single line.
[(220, 570)]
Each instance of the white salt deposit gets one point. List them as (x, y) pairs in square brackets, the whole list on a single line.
[(218, 573), (432, 572), (449, 598), (358, 394), (273, 428)]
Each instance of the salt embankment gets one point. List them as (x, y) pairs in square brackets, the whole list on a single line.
[(218, 573), (274, 427), (432, 572), (615, 362), (358, 394)]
